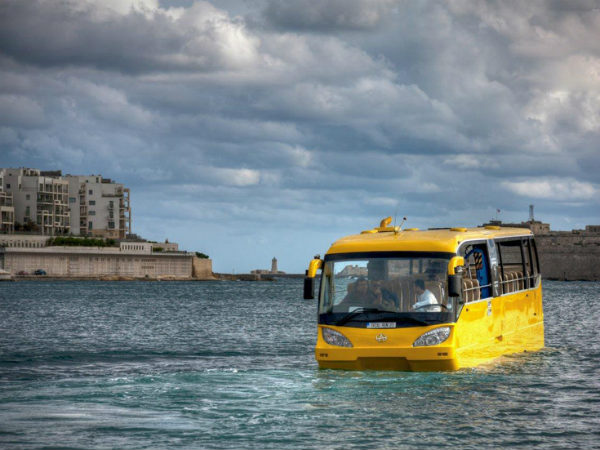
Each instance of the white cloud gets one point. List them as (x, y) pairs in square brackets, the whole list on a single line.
[(296, 155), (126, 6), (215, 35), (237, 177), (109, 103), (468, 161), (553, 189)]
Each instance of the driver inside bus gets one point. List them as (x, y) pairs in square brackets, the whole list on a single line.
[(426, 301)]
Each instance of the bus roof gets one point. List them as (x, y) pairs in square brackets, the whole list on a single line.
[(447, 240)]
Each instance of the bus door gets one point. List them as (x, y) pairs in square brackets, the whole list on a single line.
[(481, 270), (494, 267)]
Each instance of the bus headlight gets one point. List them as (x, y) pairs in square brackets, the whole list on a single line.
[(333, 337), (432, 337)]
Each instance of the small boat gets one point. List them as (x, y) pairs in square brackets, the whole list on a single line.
[(6, 276)]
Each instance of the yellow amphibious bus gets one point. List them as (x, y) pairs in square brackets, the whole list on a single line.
[(441, 299)]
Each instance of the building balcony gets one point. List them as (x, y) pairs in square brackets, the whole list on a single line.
[(116, 193)]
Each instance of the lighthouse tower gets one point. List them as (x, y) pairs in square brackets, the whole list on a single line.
[(274, 265)]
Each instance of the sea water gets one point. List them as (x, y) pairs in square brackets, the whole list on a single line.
[(224, 365)]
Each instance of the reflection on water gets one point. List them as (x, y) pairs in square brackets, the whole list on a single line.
[(230, 365)]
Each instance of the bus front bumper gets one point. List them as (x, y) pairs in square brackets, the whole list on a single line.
[(418, 359)]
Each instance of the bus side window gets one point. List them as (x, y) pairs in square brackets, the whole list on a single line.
[(470, 284), (512, 266), (534, 261), (527, 273)]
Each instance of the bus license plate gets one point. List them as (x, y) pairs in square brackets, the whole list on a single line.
[(381, 325)]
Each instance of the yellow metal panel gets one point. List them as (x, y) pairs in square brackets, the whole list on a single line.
[(424, 241), (315, 264), (369, 352), (454, 263)]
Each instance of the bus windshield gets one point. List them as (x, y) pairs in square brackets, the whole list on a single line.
[(405, 285)]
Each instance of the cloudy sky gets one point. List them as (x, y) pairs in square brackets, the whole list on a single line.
[(249, 129)]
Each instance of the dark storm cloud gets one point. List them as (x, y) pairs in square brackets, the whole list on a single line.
[(320, 117), (50, 34), (46, 34), (327, 15)]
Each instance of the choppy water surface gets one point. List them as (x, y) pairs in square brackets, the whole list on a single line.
[(230, 365)]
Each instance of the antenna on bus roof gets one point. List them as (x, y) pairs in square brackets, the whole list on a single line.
[(400, 227)]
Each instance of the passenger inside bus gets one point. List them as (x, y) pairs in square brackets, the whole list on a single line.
[(385, 299), (370, 294), (358, 292)]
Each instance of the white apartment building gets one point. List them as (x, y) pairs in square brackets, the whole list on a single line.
[(51, 204), (39, 201), (99, 206), (77, 205), (7, 209)]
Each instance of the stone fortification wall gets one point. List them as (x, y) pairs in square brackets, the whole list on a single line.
[(569, 256), (96, 262), (202, 269)]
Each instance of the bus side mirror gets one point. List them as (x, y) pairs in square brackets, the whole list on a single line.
[(455, 278), (309, 279), (455, 285), (309, 287)]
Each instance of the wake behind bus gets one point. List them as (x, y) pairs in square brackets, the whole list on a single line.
[(432, 300)]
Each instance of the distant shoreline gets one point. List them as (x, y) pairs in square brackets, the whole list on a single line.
[(215, 277)]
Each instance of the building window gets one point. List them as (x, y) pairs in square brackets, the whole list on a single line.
[(92, 202), (91, 192), (27, 211), (111, 214), (89, 225), (92, 213), (111, 204), (72, 199), (27, 197), (7, 185), (111, 224)]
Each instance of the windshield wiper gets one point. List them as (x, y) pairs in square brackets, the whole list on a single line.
[(354, 313)]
